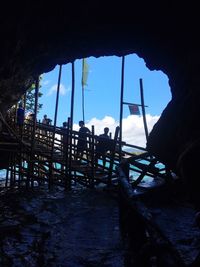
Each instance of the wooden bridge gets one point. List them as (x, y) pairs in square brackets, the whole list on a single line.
[(43, 154)]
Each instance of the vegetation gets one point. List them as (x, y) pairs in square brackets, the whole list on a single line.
[(30, 98)]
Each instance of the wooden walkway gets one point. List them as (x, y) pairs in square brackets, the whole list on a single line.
[(40, 156)]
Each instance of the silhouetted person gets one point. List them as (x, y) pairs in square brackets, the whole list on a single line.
[(82, 139), (44, 120), (103, 145), (47, 122), (64, 125)]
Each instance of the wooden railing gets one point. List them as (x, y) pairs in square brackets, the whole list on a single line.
[(49, 156)]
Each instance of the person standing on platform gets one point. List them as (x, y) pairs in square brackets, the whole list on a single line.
[(103, 145), (44, 120), (82, 139)]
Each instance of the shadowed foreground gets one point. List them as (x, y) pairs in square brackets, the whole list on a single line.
[(77, 228)]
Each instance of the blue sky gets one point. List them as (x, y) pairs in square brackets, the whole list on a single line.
[(102, 94)]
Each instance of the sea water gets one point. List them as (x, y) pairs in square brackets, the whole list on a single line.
[(133, 175), (2, 174)]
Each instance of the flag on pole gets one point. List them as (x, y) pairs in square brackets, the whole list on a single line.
[(134, 109), (85, 70)]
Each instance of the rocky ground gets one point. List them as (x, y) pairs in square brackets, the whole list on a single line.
[(60, 229)]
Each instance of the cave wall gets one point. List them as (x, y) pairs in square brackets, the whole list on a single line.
[(37, 36)]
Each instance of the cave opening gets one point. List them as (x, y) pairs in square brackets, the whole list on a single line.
[(160, 33), (102, 94)]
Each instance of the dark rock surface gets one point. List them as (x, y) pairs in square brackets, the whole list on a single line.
[(176, 219), (58, 228)]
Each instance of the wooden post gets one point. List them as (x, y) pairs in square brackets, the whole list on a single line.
[(143, 109), (70, 128), (57, 98), (7, 173), (20, 160), (72, 96), (83, 109), (11, 171), (112, 156), (35, 112), (83, 84), (24, 106), (68, 157), (54, 126), (121, 106), (92, 158), (33, 128)]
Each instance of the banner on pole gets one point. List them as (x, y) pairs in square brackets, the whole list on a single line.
[(134, 109), (85, 70)]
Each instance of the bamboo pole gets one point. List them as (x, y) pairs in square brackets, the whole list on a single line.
[(112, 155), (33, 127), (35, 112), (37, 84), (121, 104), (7, 173), (83, 101), (92, 158), (11, 171), (83, 109), (68, 157), (72, 96), (68, 173), (21, 144), (143, 109), (57, 99), (24, 106), (54, 126)]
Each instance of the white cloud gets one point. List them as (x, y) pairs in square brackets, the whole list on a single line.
[(63, 90), (46, 82), (133, 128)]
